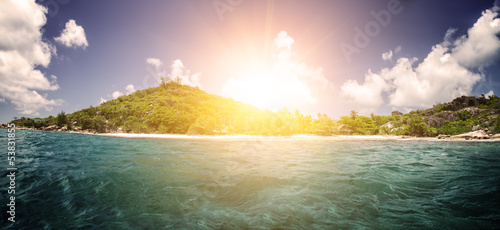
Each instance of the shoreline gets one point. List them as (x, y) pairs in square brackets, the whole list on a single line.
[(240, 136), (293, 137), (460, 137)]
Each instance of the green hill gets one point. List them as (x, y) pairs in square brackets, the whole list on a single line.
[(463, 114), (180, 109)]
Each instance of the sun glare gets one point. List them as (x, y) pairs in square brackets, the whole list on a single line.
[(281, 82), (268, 89), (257, 87)]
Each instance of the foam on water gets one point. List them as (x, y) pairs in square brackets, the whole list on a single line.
[(74, 181)]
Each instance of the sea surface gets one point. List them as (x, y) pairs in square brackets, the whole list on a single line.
[(76, 181)]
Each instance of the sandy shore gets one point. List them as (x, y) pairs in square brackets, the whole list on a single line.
[(495, 138), (294, 137), (182, 136)]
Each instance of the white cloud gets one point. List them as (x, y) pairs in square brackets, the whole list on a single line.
[(447, 71), (398, 49), (155, 74), (285, 82), (178, 71), (130, 88), (155, 62), (438, 78), (22, 50), (116, 94), (283, 46), (73, 35), (481, 46), (387, 56), (368, 95), (491, 93)]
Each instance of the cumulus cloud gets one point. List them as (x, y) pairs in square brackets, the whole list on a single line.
[(481, 46), (178, 71), (438, 78), (116, 94), (284, 83), (130, 88), (368, 95), (491, 93), (387, 56), (22, 50), (73, 35), (398, 49), (155, 62), (156, 71), (447, 71)]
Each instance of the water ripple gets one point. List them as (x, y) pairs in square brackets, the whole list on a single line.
[(73, 181)]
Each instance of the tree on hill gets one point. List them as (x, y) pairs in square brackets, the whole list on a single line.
[(62, 119), (353, 114)]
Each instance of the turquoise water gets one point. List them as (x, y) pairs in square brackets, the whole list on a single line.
[(74, 181)]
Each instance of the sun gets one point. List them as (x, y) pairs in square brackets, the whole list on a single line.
[(267, 88), (256, 87), (275, 80)]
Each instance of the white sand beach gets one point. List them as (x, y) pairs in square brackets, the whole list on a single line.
[(302, 136)]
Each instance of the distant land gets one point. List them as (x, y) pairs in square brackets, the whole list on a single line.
[(173, 108)]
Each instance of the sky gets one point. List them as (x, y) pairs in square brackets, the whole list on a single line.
[(318, 56)]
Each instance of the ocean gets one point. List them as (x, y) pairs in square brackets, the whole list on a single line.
[(76, 181)]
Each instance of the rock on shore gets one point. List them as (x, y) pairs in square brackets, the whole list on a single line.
[(480, 134)]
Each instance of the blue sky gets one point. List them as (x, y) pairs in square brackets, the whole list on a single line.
[(268, 53)]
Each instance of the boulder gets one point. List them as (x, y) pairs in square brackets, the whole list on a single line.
[(389, 125), (429, 112), (434, 121), (396, 113), (442, 136), (480, 134), (474, 111), (462, 102), (482, 99), (439, 119), (51, 128), (447, 115), (496, 136), (486, 121)]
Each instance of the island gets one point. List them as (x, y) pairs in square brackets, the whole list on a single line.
[(174, 108)]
